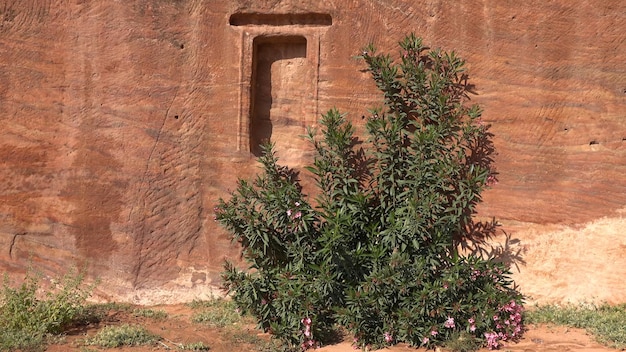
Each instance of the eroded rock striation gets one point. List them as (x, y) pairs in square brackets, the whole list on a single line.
[(124, 122)]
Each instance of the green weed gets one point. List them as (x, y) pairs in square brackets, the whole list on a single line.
[(216, 313), (116, 306), (196, 346), (122, 335), (150, 313), (606, 322), (28, 318), (222, 313)]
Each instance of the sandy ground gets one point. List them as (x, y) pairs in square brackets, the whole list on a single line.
[(178, 329)]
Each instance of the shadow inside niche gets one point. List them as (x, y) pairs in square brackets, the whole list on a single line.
[(273, 83)]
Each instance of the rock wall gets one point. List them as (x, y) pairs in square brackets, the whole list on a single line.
[(124, 122)]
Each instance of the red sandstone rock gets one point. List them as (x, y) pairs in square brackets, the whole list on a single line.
[(124, 122)]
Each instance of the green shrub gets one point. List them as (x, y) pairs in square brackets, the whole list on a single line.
[(377, 249), (123, 335), (26, 318)]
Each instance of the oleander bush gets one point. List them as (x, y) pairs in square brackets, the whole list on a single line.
[(377, 249)]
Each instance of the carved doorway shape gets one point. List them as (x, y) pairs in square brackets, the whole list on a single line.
[(280, 90), (279, 70)]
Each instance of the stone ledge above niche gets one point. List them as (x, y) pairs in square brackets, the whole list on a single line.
[(280, 19)]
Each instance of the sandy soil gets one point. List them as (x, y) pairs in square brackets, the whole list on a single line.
[(178, 329)]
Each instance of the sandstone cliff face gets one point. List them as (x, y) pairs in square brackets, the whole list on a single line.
[(124, 122)]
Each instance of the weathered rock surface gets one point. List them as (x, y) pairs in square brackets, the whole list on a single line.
[(124, 122)]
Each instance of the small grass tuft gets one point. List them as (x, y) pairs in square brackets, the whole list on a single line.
[(150, 313), (216, 313), (196, 346), (223, 313), (123, 335), (113, 306), (605, 322), (87, 349)]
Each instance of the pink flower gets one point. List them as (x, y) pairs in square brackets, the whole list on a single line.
[(297, 215), (355, 344), (471, 320), (308, 344), (434, 332), (425, 340), (289, 212), (492, 340), (472, 328), (449, 323), (297, 204), (388, 337), (491, 181), (306, 321)]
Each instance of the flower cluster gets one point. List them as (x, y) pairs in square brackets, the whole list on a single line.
[(217, 211), (433, 334), (294, 214), (388, 337), (411, 54), (494, 274), (509, 325), (309, 342), (492, 340), (472, 324)]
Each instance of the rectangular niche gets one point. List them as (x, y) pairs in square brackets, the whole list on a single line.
[(279, 92), (279, 68)]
